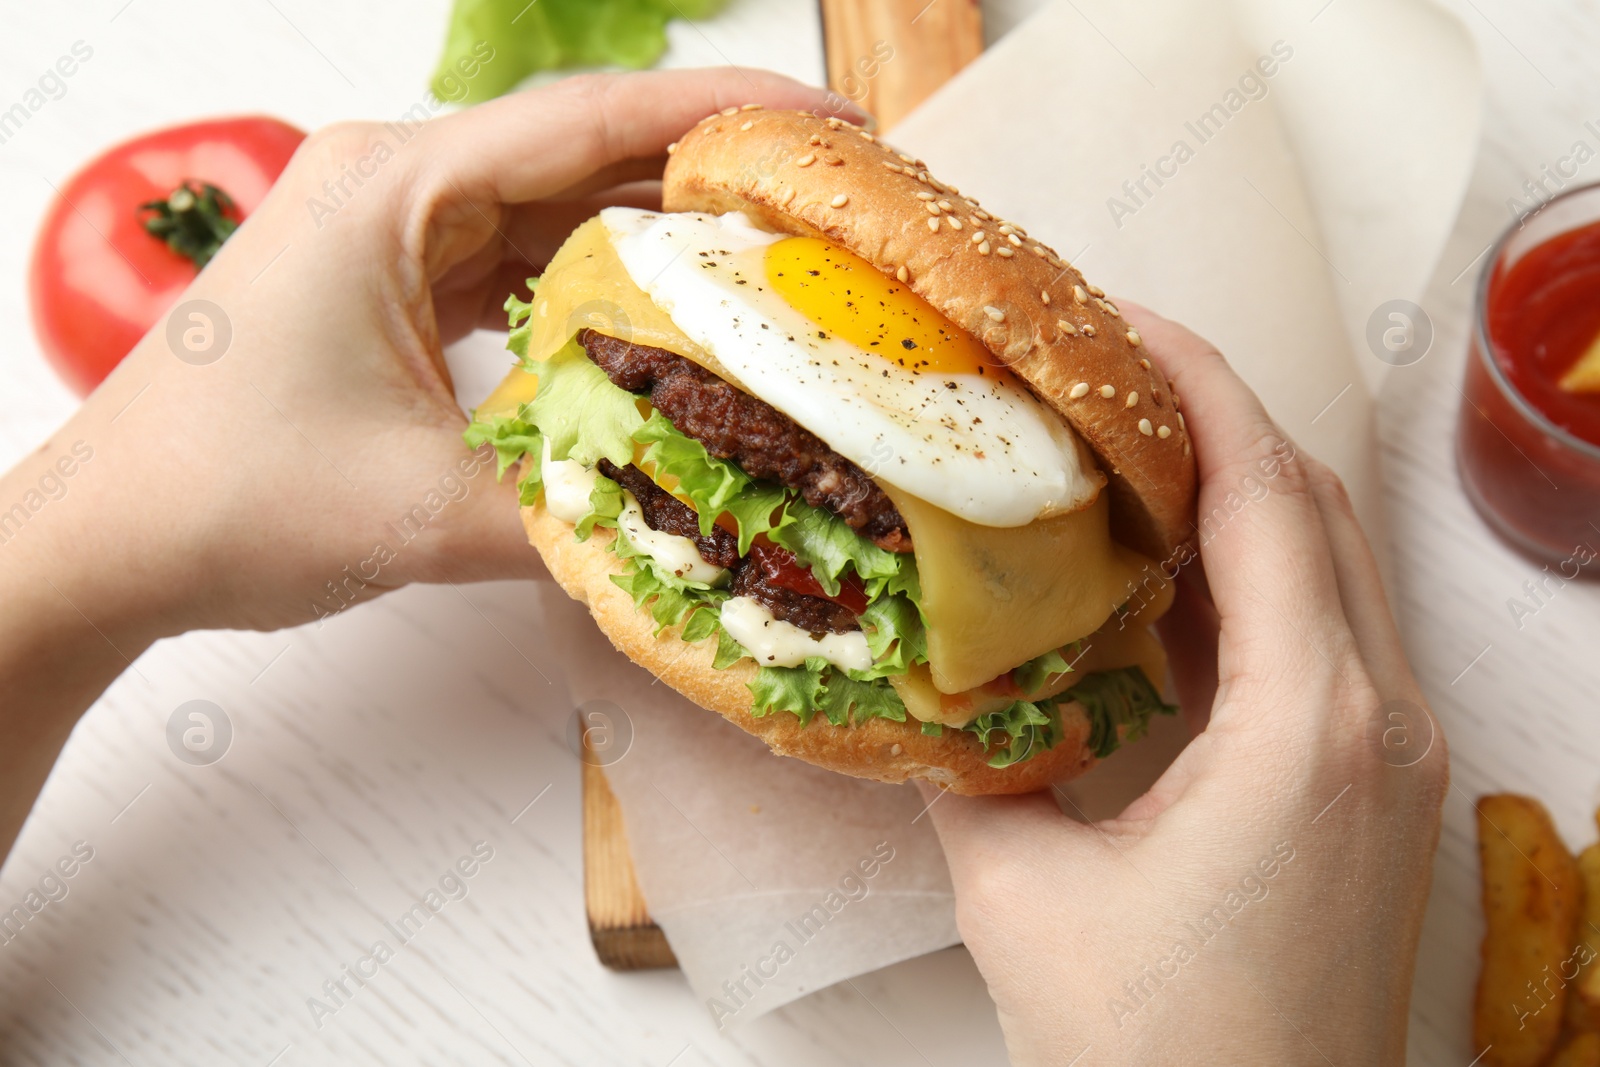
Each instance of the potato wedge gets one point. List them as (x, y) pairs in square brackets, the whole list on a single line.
[(1583, 1001), (1532, 894), (1582, 1050)]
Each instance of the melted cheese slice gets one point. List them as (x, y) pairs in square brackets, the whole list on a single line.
[(1125, 641), (587, 287), (994, 597)]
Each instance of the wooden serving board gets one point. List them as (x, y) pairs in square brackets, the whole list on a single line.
[(887, 56)]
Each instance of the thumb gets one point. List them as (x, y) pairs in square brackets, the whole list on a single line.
[(981, 835)]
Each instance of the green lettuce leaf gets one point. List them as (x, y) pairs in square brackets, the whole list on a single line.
[(579, 411), (1123, 697), (605, 504), (895, 636), (1032, 675), (517, 313), (793, 689), (710, 483), (826, 543), (512, 437), (1017, 733), (848, 702), (492, 45)]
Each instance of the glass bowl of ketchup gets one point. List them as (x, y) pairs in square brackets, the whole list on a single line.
[(1528, 440)]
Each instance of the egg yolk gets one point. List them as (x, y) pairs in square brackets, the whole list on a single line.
[(851, 299)]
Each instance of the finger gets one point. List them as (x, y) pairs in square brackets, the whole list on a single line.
[(975, 830), (1189, 633), (593, 122), (535, 231), (627, 172), (1366, 605), (1265, 551)]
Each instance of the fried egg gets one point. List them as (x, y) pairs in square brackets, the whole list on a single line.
[(859, 360)]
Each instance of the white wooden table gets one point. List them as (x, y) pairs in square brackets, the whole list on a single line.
[(369, 756)]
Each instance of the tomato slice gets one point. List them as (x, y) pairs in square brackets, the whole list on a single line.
[(780, 567), (99, 280)]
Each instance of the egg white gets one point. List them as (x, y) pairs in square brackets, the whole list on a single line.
[(974, 445)]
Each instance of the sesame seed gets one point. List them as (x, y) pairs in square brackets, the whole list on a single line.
[(865, 136), (816, 139), (933, 209), (1163, 432), (1045, 297), (1004, 250), (671, 148), (1180, 421), (925, 195), (751, 107), (747, 126), (840, 201), (1095, 290), (982, 214), (994, 313), (1145, 428), (922, 176), (933, 224), (1079, 391), (730, 111), (1133, 399), (902, 274), (1039, 251), (1007, 229), (1079, 294), (945, 204), (1135, 340), (904, 158), (788, 195), (1145, 363), (1016, 242), (1175, 404), (834, 122), (805, 160), (1111, 309), (833, 161), (1108, 391), (1066, 327), (977, 236), (983, 249), (955, 223), (892, 166), (1088, 330)]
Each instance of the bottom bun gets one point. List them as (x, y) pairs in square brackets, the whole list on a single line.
[(878, 748)]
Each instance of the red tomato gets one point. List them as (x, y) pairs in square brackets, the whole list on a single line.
[(99, 280), (781, 568)]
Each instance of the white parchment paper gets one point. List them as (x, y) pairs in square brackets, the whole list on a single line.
[(1300, 200)]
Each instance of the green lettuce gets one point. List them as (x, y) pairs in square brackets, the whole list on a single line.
[(492, 45), (819, 686), (512, 437), (1032, 675), (1019, 732), (1123, 697), (581, 414)]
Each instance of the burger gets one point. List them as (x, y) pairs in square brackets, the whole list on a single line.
[(846, 458)]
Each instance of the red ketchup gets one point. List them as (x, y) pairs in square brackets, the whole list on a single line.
[(1528, 443)]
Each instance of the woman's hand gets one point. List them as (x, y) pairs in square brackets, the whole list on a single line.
[(287, 441), (1261, 904)]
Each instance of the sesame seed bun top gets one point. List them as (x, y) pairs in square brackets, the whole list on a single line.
[(796, 173)]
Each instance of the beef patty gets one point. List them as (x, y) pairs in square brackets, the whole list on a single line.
[(760, 439), (665, 512)]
